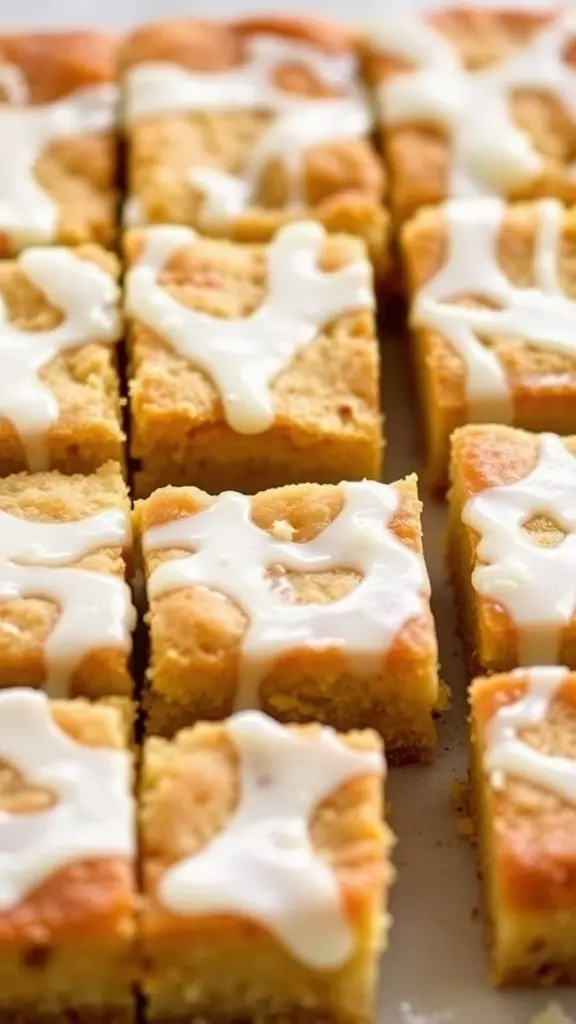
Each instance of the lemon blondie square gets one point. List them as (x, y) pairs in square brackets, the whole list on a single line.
[(251, 366), (493, 315), (512, 546), (66, 614), (60, 324), (67, 863), (476, 101), (310, 602), (58, 150), (231, 929), (524, 796), (235, 128)]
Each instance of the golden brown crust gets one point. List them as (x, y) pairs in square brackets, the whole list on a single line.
[(419, 154), (87, 899), (84, 380), (205, 45), (57, 63), (92, 898), (481, 36), (534, 830), (492, 456), (542, 383), (25, 623), (193, 44), (327, 424), (196, 635), (484, 37), (328, 36), (190, 791)]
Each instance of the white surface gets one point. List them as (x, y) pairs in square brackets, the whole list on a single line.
[(435, 969)]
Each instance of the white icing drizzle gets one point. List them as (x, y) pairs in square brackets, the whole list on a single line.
[(27, 212), (300, 122), (88, 299), (93, 816), (232, 555), (491, 155), (535, 584), (243, 356), (508, 754), (262, 865), (96, 610), (542, 315)]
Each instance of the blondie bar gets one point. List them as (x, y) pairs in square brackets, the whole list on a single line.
[(308, 601), (59, 388), (251, 366), (524, 798), (234, 128), (265, 871), (476, 102), (512, 545), (67, 862), (493, 316), (58, 100), (65, 609)]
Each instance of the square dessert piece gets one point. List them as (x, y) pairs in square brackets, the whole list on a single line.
[(235, 128), (265, 872), (59, 387), (310, 602), (493, 316), (512, 546), (67, 885), (524, 797), (475, 102), (66, 613), (251, 366), (58, 111)]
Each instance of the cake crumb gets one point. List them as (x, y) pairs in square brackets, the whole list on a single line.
[(460, 796), (282, 530), (552, 1014), (466, 828)]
